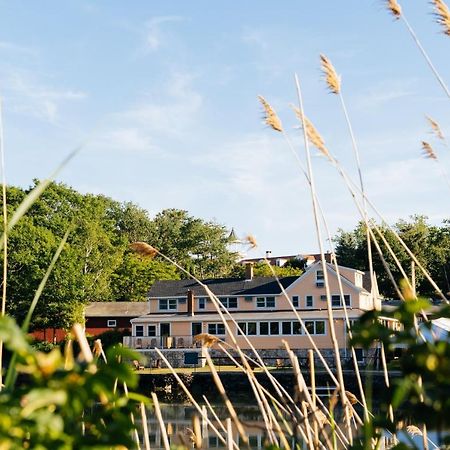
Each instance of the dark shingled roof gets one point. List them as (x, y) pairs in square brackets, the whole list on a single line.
[(116, 309), (221, 286)]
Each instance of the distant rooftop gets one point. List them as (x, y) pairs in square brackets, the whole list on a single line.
[(116, 309)]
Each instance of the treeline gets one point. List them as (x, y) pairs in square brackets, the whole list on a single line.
[(97, 263), (429, 243)]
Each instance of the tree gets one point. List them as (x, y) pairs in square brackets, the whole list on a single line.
[(430, 244)]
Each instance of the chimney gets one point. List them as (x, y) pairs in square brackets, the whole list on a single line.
[(248, 271), (190, 303)]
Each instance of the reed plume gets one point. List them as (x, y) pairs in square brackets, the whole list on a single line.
[(313, 135), (413, 430), (207, 340), (251, 241), (270, 117), (442, 15), (144, 249), (435, 128), (331, 77), (394, 8), (428, 151)]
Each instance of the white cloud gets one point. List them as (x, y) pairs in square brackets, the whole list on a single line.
[(33, 97), (385, 92), (17, 48), (154, 35), (157, 117)]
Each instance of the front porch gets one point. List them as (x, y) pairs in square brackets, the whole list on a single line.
[(161, 342)]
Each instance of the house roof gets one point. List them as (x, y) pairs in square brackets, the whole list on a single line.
[(116, 309), (221, 286)]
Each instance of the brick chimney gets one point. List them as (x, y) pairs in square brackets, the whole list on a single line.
[(248, 271), (190, 303)]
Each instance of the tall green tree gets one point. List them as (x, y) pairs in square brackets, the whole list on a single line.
[(429, 243)]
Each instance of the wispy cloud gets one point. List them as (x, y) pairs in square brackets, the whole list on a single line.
[(154, 35), (31, 96), (254, 38), (385, 92), (156, 117), (6, 46)]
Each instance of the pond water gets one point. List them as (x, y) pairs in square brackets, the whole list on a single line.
[(178, 422)]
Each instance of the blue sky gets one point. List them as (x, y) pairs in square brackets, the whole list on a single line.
[(166, 95)]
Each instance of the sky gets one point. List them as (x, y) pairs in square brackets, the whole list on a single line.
[(162, 96)]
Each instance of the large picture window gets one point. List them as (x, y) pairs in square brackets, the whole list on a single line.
[(336, 301), (284, 328)]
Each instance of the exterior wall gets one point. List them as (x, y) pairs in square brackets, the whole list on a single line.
[(306, 285), (183, 330)]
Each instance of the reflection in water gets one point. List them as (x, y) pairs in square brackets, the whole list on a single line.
[(178, 423)]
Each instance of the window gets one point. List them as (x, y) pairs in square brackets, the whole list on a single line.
[(296, 328), (201, 303), (265, 302), (229, 302), (139, 330), (151, 330), (336, 300), (166, 304), (216, 328), (286, 327), (295, 301), (320, 327), (274, 328), (264, 328), (251, 328), (243, 327), (320, 281), (111, 323), (309, 324), (309, 301)]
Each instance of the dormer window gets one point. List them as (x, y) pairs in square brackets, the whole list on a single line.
[(168, 304), (320, 281)]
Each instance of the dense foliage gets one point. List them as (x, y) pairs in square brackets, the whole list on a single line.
[(97, 264), (65, 402), (429, 243)]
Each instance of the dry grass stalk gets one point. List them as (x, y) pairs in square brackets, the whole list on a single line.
[(197, 432), (144, 426), (192, 399), (313, 135), (413, 430), (206, 340), (144, 249), (331, 77), (428, 151), (85, 350), (160, 419), (226, 399), (442, 15), (251, 241), (394, 8), (436, 128), (270, 117)]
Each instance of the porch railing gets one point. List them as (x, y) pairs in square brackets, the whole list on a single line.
[(166, 342)]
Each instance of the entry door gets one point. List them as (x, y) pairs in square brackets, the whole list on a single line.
[(196, 328), (164, 332)]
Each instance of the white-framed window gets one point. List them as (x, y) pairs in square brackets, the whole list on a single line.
[(111, 323), (216, 328), (285, 328), (336, 301), (229, 302), (139, 330), (151, 330), (201, 303), (168, 304), (295, 301), (320, 281), (309, 301), (265, 302)]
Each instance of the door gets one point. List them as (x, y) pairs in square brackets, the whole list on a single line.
[(196, 328), (164, 332)]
